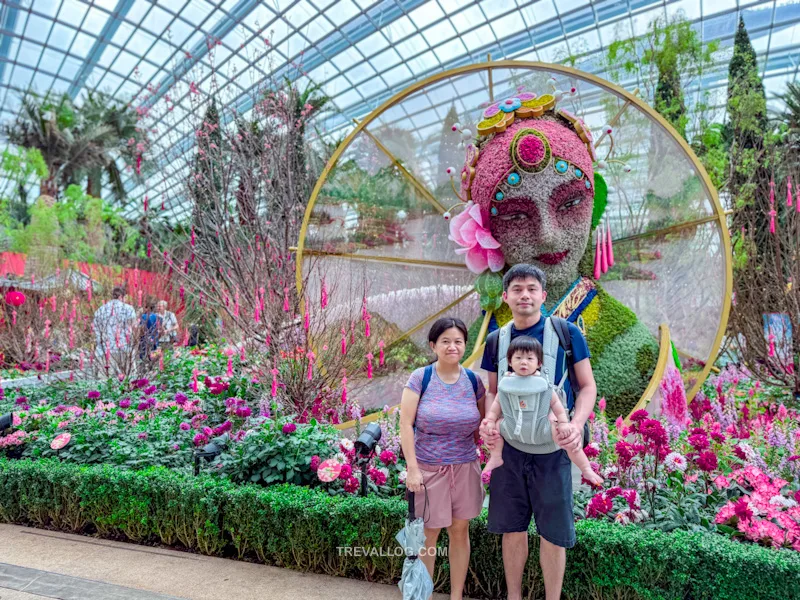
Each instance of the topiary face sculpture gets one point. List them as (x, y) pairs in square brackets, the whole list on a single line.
[(530, 183)]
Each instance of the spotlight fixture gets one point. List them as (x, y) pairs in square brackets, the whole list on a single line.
[(364, 446), (210, 451), (6, 422)]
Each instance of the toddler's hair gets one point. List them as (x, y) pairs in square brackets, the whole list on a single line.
[(527, 345)]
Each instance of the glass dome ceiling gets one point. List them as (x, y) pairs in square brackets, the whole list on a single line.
[(360, 52)]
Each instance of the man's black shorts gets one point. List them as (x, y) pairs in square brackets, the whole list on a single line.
[(538, 485)]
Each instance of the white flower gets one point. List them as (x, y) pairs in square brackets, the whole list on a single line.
[(401, 476), (341, 458), (782, 501), (675, 462), (622, 518), (385, 471), (346, 444), (378, 450)]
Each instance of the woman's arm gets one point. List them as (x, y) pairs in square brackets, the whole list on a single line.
[(408, 415)]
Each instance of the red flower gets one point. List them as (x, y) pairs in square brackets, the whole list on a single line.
[(315, 460), (639, 415), (653, 431), (346, 472), (591, 451), (737, 450), (351, 485), (289, 428), (699, 442), (388, 457), (599, 505), (625, 453), (718, 437), (707, 461), (742, 509)]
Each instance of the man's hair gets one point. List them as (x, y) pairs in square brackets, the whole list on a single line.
[(524, 271), (118, 292), (525, 344)]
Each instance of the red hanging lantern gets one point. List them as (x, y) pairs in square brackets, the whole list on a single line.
[(15, 298)]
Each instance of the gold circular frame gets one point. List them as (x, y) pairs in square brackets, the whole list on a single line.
[(568, 71)]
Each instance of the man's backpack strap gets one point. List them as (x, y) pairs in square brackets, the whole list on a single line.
[(503, 342), (428, 373), (561, 327)]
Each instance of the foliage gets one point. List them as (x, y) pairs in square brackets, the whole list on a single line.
[(78, 142), (301, 528), (667, 59)]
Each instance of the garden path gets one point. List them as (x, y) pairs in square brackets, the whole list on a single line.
[(35, 563)]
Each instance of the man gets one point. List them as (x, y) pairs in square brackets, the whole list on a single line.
[(538, 485), (113, 324), (169, 324)]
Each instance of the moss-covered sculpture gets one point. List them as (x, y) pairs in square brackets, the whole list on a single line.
[(533, 196)]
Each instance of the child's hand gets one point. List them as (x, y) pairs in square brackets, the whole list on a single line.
[(491, 426), (563, 430)]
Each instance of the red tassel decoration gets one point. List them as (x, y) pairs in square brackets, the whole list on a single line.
[(597, 252), (609, 246)]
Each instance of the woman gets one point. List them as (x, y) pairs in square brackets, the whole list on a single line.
[(438, 433)]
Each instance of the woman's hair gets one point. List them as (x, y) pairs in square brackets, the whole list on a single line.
[(527, 345), (442, 325)]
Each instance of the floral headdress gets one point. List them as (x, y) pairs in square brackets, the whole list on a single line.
[(544, 136)]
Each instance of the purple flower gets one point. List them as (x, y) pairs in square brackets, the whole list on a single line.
[(125, 403), (143, 406), (175, 447), (200, 439), (185, 426), (121, 414), (59, 409), (142, 436), (243, 412), (21, 400), (208, 432), (289, 428), (140, 383), (93, 395), (149, 390), (180, 399)]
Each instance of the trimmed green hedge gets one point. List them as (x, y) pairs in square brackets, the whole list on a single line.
[(300, 528)]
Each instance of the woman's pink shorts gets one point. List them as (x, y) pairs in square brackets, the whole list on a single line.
[(453, 491)]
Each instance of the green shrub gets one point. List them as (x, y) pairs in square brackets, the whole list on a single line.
[(302, 528)]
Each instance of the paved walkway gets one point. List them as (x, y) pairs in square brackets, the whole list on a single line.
[(35, 563)]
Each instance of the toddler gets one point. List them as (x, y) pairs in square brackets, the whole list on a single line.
[(522, 408)]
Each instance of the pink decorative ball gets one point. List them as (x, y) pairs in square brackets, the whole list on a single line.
[(15, 298)]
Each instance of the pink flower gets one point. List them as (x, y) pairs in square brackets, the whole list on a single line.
[(315, 460), (93, 395), (329, 470), (639, 415), (699, 442), (185, 426), (388, 457), (481, 249), (125, 403), (289, 428), (200, 439), (601, 404), (722, 482), (346, 472)]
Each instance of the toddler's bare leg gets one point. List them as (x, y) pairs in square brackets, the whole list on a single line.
[(579, 458)]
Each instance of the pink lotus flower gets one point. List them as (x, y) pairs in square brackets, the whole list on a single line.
[(481, 249)]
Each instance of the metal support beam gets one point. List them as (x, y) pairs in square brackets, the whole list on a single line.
[(99, 46)]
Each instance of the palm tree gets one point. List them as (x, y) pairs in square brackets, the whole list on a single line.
[(102, 109), (77, 143)]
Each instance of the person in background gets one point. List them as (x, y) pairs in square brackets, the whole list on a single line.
[(113, 324), (150, 325), (169, 324)]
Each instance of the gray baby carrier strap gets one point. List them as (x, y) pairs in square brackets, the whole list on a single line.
[(550, 347)]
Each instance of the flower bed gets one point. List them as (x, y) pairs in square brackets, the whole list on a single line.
[(302, 528), (728, 463)]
